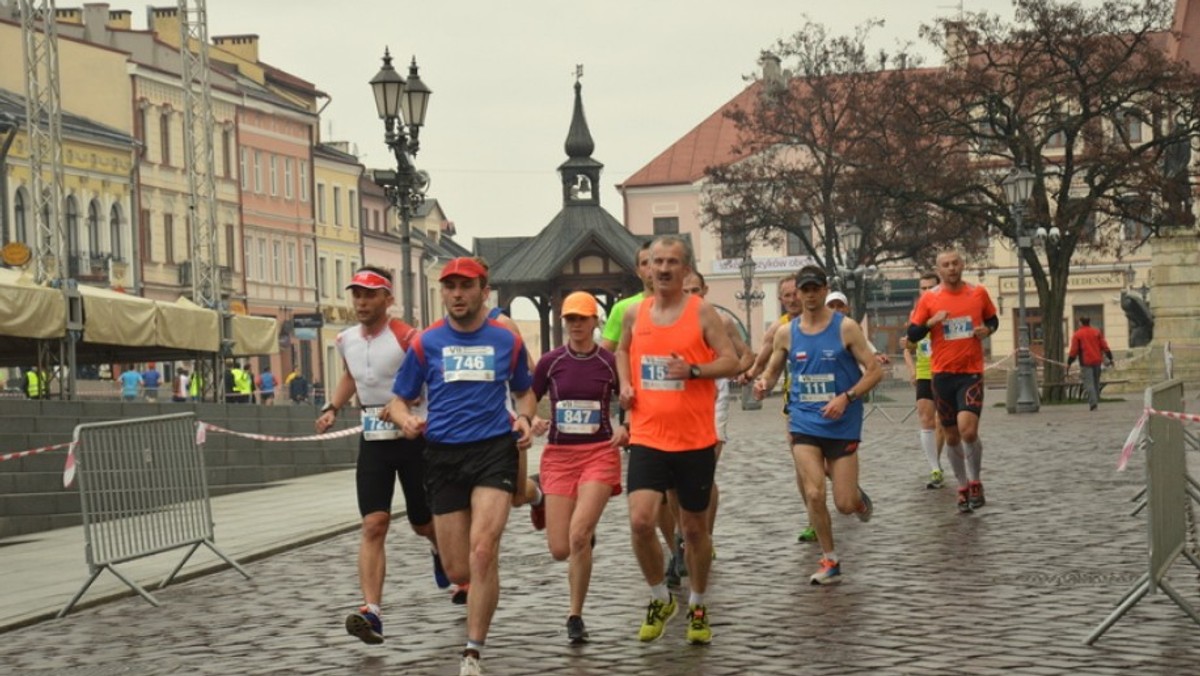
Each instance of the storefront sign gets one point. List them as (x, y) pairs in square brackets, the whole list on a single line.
[(1079, 281), (774, 264)]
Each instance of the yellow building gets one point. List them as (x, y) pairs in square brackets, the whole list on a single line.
[(339, 243), (98, 164)]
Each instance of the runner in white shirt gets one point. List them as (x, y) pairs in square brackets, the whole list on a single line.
[(371, 353)]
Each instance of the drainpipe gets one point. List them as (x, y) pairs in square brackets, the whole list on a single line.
[(135, 216)]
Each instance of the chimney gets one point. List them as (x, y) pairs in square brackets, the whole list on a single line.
[(71, 15), (959, 41), (242, 46), (772, 73), (121, 19), (164, 23), (95, 22)]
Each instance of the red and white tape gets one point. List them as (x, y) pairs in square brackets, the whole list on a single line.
[(1002, 360), (35, 451), (203, 427), (1140, 425)]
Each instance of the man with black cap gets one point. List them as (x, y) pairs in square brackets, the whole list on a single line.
[(831, 368), (371, 355), (466, 365)]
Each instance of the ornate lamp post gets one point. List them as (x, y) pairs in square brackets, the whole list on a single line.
[(401, 105), (750, 297), (1017, 187)]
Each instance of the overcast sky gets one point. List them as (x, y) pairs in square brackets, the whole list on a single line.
[(502, 76)]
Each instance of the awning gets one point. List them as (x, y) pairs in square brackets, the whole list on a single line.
[(115, 318), (186, 326), (254, 335), (28, 310)]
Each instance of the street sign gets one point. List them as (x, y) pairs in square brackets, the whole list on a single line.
[(308, 321)]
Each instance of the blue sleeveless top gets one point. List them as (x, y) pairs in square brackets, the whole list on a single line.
[(821, 368)]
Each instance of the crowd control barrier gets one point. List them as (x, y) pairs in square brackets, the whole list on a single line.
[(1168, 488), (143, 491)]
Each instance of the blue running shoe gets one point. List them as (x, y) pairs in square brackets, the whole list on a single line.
[(439, 573), (365, 625), (830, 572)]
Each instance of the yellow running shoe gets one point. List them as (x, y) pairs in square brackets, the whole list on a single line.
[(698, 632), (657, 615)]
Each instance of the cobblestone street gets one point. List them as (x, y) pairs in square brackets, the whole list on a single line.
[(1012, 588)]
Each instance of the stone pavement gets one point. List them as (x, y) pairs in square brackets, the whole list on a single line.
[(1013, 588)]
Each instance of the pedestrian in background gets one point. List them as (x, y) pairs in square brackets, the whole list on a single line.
[(151, 379), (266, 387), (1090, 348), (130, 382)]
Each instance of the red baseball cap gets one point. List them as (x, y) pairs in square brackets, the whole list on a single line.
[(463, 267)]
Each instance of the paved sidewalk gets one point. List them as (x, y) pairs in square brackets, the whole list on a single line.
[(1013, 588)]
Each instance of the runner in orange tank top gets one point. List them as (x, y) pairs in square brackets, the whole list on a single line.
[(672, 348)]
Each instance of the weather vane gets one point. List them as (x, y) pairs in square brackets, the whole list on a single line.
[(578, 71)]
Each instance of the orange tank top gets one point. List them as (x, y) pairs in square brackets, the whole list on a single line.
[(671, 415)]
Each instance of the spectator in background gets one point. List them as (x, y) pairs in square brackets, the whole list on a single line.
[(150, 380), (297, 388), (1090, 348), (36, 386), (179, 394), (131, 383), (266, 387)]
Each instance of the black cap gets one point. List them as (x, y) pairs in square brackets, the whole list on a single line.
[(811, 276)]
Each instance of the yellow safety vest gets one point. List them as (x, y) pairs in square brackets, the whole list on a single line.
[(195, 382), (33, 385), (241, 381)]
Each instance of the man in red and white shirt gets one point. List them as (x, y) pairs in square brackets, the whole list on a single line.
[(371, 354)]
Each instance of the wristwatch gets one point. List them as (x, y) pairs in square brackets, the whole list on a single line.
[(329, 407), (850, 396), (694, 371)]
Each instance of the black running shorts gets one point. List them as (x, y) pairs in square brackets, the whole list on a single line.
[(690, 473), (452, 471), (379, 464), (954, 393)]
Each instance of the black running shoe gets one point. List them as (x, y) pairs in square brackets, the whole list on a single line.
[(576, 632)]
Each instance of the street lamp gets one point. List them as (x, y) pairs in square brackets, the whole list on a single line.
[(402, 105), (1130, 278), (856, 275), (750, 297), (1017, 187)]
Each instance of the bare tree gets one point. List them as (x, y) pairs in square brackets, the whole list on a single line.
[(814, 157), (1090, 102)]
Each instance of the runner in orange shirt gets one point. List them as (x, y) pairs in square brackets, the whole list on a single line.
[(957, 316), (673, 346)]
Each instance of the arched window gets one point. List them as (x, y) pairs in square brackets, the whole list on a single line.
[(114, 231), (93, 227), (72, 226), (20, 217)]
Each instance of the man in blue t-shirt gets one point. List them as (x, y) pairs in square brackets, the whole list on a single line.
[(151, 380), (266, 387), (465, 366), (131, 383)]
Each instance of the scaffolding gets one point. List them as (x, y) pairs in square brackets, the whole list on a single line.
[(198, 128)]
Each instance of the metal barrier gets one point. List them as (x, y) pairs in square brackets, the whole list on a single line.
[(143, 491), (1167, 489)]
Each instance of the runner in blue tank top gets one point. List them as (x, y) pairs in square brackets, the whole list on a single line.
[(831, 368)]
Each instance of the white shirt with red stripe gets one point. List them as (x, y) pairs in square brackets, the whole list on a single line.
[(373, 360)]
